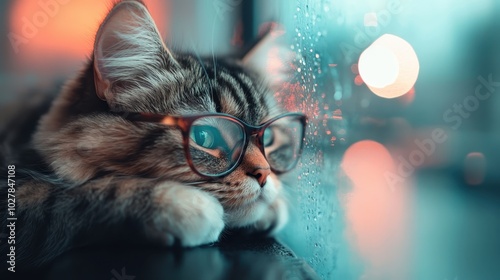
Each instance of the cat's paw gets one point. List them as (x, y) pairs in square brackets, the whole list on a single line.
[(274, 219), (185, 214)]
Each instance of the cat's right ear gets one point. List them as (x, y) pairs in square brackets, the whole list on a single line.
[(270, 57), (128, 52)]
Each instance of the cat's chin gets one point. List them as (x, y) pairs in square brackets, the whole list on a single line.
[(253, 210), (247, 214)]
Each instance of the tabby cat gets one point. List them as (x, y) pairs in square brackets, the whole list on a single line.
[(147, 144)]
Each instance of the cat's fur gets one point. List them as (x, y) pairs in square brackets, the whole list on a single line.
[(100, 175)]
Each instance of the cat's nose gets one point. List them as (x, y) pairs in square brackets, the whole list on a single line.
[(261, 175), (255, 164)]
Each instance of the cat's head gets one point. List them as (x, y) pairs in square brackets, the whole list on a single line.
[(88, 134)]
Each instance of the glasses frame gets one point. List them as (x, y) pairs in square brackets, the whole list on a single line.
[(184, 123)]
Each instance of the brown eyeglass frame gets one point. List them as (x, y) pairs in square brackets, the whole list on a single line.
[(184, 123)]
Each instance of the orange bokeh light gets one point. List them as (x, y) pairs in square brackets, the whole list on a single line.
[(62, 29), (366, 161), (376, 216), (408, 98), (475, 168)]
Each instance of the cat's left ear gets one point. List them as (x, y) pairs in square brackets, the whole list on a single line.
[(270, 57), (128, 53)]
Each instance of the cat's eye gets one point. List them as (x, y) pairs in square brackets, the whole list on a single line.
[(268, 137), (283, 144), (205, 136), (221, 141)]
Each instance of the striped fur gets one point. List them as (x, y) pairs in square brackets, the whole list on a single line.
[(100, 175)]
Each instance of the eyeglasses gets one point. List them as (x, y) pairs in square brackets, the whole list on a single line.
[(215, 143)]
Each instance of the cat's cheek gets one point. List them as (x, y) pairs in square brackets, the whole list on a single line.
[(258, 210), (275, 218), (271, 189)]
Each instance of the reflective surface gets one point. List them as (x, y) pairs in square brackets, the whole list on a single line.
[(245, 259)]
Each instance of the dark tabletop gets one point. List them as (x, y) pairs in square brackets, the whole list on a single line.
[(233, 258)]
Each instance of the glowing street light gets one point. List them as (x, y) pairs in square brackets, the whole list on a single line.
[(389, 66)]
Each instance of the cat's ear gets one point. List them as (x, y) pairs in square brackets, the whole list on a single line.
[(270, 57), (127, 48)]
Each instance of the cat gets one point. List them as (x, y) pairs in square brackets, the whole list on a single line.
[(91, 172)]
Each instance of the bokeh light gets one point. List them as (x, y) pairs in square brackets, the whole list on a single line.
[(374, 213), (389, 66), (378, 66), (365, 162), (48, 31), (474, 168)]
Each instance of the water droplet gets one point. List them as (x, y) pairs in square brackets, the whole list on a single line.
[(337, 95)]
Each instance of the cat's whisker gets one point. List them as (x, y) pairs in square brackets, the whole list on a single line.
[(203, 67), (213, 52), (196, 183)]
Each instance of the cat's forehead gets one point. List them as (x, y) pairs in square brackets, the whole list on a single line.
[(222, 86)]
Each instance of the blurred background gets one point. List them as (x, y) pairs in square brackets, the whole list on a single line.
[(399, 178)]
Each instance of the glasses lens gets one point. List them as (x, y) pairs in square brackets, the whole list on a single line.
[(282, 142), (215, 144)]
